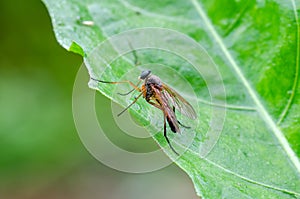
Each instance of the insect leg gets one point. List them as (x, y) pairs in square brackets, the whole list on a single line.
[(121, 82), (187, 127), (165, 126), (156, 105), (124, 94), (134, 101), (165, 134)]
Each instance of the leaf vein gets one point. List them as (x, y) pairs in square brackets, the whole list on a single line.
[(239, 16), (239, 175), (251, 180), (292, 96)]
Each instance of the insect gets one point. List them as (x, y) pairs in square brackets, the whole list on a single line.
[(161, 96)]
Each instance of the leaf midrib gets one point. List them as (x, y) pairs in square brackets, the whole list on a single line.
[(260, 108)]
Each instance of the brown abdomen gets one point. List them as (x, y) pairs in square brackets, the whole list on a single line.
[(173, 126)]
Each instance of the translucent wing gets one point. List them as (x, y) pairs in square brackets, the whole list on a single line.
[(179, 102)]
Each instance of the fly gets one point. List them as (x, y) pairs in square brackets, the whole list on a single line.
[(161, 96)]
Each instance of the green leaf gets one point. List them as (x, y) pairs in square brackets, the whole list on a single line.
[(255, 46)]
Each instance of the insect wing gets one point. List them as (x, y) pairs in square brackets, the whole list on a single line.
[(163, 101), (179, 102)]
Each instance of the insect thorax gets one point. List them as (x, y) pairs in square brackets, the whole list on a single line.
[(152, 81)]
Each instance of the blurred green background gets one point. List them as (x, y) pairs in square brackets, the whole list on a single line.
[(41, 155)]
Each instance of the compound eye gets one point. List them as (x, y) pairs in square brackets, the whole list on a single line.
[(145, 74)]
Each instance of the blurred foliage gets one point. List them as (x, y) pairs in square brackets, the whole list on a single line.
[(36, 79)]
